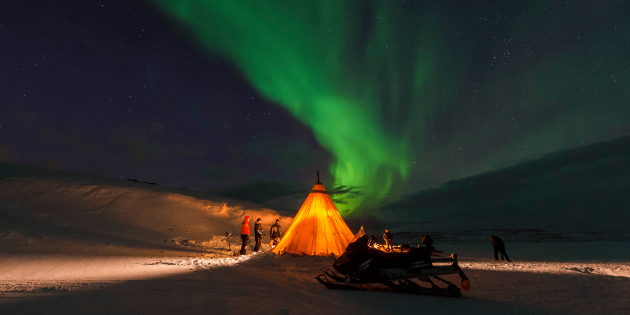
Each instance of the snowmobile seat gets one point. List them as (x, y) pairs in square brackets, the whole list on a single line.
[(358, 252)]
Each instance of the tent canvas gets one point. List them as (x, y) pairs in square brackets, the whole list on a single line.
[(317, 229)]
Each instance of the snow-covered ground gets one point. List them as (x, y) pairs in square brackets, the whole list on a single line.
[(72, 244)]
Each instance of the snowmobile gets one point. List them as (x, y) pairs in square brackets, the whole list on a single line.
[(363, 267)]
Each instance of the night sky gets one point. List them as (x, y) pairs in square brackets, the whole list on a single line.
[(389, 100)]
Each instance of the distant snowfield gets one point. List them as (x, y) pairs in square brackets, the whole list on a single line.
[(604, 269), (72, 244)]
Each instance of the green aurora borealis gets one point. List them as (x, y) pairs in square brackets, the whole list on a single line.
[(376, 81), (352, 89)]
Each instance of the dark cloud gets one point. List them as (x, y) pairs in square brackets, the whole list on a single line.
[(157, 127), (282, 155), (219, 173), (339, 194), (136, 141), (583, 189), (4, 156), (138, 150), (262, 191)]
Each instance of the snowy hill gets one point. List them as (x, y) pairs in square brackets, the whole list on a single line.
[(43, 210), (583, 190)]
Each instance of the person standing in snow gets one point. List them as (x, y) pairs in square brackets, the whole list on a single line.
[(499, 247), (259, 234), (389, 239), (275, 232), (427, 241), (244, 235)]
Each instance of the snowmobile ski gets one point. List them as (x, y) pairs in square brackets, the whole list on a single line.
[(403, 286), (334, 276), (324, 280)]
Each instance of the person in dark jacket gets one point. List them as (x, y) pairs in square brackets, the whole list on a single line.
[(244, 235), (427, 241), (499, 247), (275, 232), (259, 234), (389, 239)]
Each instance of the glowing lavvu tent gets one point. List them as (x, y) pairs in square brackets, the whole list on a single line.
[(317, 229)]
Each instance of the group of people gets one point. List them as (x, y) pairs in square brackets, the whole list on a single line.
[(497, 244), (275, 232)]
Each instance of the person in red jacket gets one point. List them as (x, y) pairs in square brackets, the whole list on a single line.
[(244, 235)]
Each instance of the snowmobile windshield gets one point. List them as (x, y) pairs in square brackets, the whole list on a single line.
[(360, 244)]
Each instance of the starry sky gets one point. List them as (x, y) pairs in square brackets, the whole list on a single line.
[(387, 99)]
